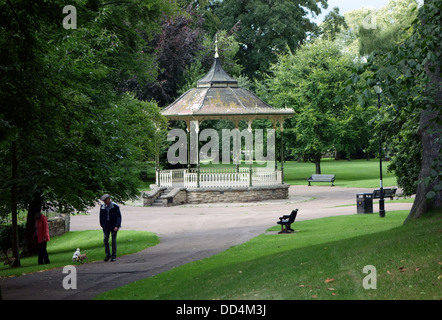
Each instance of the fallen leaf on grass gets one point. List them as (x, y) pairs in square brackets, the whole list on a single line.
[(305, 286), (329, 280), (315, 296), (330, 289)]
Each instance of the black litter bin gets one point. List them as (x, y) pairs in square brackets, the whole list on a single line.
[(364, 202)]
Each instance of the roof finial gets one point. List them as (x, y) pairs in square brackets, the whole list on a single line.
[(216, 46)]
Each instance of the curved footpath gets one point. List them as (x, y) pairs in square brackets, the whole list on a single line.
[(187, 233)]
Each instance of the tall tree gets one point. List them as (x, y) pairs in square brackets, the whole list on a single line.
[(373, 30), (412, 96), (175, 48), (267, 28), (427, 38), (184, 52), (68, 132), (310, 81), (333, 24)]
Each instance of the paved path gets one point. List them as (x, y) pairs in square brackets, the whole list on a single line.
[(187, 233)]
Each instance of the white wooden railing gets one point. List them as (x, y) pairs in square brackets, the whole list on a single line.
[(219, 177), (265, 178), (169, 178)]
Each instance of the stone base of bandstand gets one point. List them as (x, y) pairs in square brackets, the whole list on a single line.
[(181, 195)]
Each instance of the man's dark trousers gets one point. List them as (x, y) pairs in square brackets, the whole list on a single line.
[(109, 231)]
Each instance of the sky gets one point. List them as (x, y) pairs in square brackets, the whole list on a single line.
[(348, 5)]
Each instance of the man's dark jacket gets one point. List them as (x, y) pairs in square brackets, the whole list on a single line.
[(114, 216)]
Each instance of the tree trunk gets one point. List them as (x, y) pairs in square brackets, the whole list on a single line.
[(430, 130), (15, 242), (318, 166), (431, 146), (35, 206)]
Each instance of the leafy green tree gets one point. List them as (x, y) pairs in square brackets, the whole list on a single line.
[(68, 133), (267, 28), (412, 95), (206, 9), (326, 117), (373, 30), (175, 48), (333, 24)]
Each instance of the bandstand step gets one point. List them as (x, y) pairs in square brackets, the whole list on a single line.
[(159, 201)]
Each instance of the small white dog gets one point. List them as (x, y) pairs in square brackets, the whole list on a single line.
[(76, 254)]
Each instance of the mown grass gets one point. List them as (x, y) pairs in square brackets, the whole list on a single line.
[(354, 173), (323, 260), (61, 248)]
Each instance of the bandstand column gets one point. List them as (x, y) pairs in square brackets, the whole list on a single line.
[(237, 146), (276, 160), (250, 156), (188, 145), (281, 128), (197, 130), (157, 159), (157, 164)]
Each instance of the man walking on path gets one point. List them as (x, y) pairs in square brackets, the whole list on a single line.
[(110, 221)]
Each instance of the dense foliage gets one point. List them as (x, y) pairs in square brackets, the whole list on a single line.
[(267, 28), (326, 120), (68, 132), (410, 77)]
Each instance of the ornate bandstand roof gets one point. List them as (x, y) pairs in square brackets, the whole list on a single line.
[(217, 96)]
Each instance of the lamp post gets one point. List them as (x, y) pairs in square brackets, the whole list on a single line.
[(378, 90)]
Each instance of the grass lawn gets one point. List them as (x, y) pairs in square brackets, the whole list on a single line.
[(355, 173), (61, 248), (323, 260)]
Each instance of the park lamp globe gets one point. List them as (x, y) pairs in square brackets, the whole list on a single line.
[(377, 88)]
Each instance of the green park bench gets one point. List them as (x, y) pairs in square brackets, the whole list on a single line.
[(321, 178)]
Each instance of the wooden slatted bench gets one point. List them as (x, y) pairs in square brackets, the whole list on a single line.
[(321, 178)]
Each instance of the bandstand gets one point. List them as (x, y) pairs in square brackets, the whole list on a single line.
[(218, 96)]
